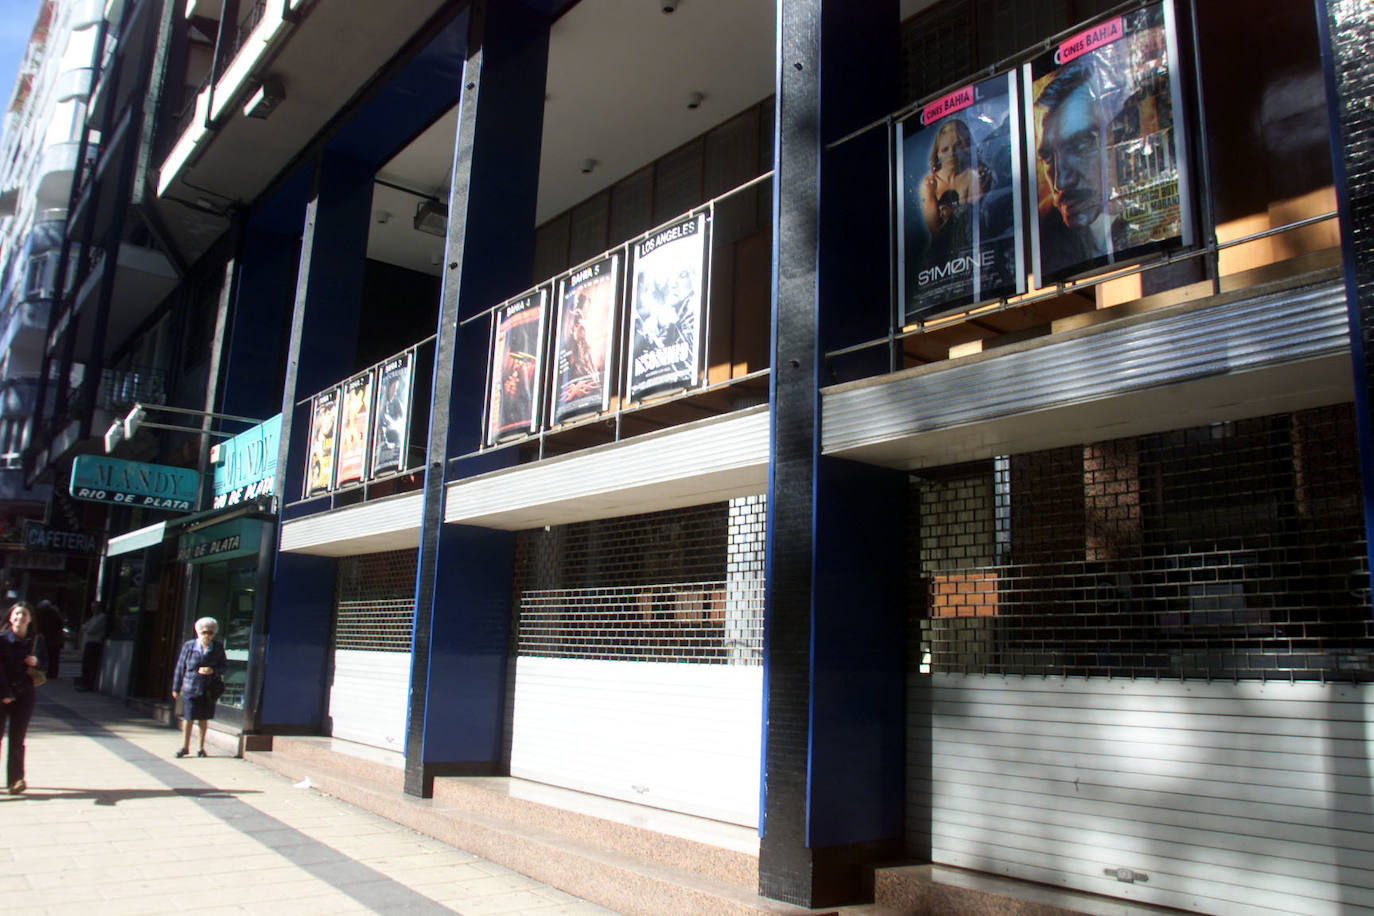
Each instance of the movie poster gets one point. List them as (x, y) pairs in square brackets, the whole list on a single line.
[(319, 465), (585, 346), (960, 201), (666, 308), (1104, 120), (355, 416), (391, 431), (516, 355)]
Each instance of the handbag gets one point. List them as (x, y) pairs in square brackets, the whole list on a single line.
[(215, 689), (35, 674)]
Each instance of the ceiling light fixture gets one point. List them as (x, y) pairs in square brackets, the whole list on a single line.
[(432, 216), (588, 165), (694, 100), (265, 100)]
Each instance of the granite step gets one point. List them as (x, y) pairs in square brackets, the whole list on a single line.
[(938, 890), (624, 867)]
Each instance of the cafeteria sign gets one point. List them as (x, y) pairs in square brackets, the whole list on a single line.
[(134, 483)]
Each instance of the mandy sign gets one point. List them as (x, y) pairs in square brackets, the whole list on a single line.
[(246, 465), (134, 483)]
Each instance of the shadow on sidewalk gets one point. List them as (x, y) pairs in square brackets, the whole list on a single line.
[(115, 796)]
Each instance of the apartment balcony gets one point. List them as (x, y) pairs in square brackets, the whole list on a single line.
[(143, 278), (74, 84), (56, 169), (24, 324), (90, 408)]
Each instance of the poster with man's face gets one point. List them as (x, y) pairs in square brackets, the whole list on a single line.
[(516, 355), (391, 429), (355, 415), (319, 464), (1105, 125), (959, 208), (585, 346), (665, 308)]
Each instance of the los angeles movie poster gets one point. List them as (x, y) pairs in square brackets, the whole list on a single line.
[(391, 429), (960, 201), (666, 308), (516, 355), (319, 465), (355, 415), (1104, 120), (585, 345)]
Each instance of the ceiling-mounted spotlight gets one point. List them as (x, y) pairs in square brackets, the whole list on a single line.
[(264, 101), (694, 100), (432, 216), (668, 6), (588, 165)]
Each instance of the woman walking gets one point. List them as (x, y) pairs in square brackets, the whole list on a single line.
[(21, 648), (202, 661)]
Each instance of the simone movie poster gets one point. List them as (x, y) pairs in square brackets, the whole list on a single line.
[(1111, 174), (961, 199), (517, 348), (391, 431), (666, 307), (324, 418), (355, 415), (586, 340)]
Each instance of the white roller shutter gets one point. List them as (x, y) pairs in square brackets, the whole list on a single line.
[(683, 737), (370, 697), (1238, 798), (639, 648), (374, 619)]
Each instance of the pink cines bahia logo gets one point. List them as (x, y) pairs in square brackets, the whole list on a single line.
[(1090, 40)]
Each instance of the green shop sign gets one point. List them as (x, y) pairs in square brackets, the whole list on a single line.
[(134, 483), (225, 541)]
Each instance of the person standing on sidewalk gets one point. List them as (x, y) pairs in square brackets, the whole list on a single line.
[(202, 661), (21, 648), (50, 622), (92, 646)]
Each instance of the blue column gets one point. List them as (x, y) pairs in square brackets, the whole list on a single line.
[(462, 607), (833, 649), (294, 658)]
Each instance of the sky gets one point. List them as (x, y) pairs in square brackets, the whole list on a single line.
[(16, 23)]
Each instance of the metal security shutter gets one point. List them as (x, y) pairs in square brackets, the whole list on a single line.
[(1237, 798), (374, 616), (1127, 664), (638, 669)]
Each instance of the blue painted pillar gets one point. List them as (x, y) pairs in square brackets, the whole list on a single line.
[(833, 649), (256, 348), (462, 606), (294, 650)]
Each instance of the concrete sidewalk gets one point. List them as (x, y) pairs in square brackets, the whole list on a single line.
[(112, 823)]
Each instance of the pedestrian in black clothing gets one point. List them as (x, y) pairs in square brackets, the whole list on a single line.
[(21, 648), (50, 623)]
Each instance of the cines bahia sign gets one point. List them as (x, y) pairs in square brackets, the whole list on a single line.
[(134, 483)]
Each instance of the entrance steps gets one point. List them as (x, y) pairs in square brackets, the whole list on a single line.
[(625, 857), (938, 890)]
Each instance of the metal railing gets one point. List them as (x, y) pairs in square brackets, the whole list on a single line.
[(624, 403)]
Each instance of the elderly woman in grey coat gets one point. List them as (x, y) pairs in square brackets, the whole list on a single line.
[(201, 661)]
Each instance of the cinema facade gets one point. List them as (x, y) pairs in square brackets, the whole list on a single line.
[(937, 443)]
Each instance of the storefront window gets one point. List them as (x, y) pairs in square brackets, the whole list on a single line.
[(226, 594)]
